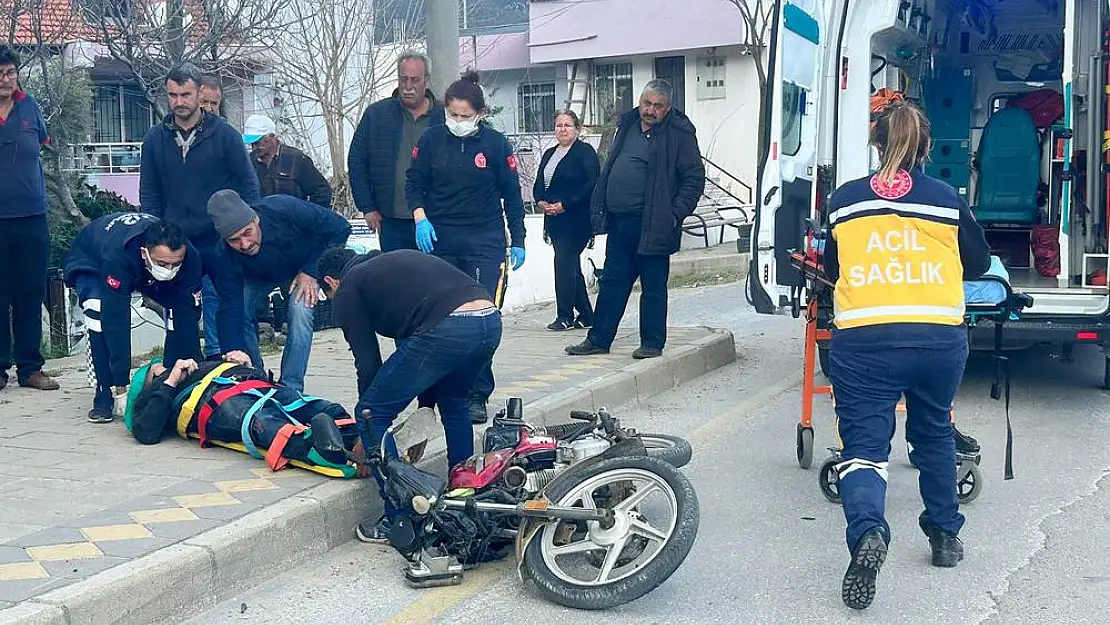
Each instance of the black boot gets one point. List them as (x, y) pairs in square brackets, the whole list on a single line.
[(965, 444), (476, 404), (858, 588), (948, 550), (327, 440)]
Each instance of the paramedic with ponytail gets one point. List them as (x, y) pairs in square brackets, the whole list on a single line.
[(461, 172), (901, 245)]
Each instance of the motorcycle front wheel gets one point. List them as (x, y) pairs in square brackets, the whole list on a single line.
[(584, 565)]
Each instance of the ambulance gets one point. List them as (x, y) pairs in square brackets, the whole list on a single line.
[(1016, 96)]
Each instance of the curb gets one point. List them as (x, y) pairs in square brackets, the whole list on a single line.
[(172, 583)]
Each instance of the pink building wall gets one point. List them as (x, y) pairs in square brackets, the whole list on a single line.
[(565, 30)]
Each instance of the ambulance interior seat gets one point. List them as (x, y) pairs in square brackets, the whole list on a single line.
[(1009, 164)]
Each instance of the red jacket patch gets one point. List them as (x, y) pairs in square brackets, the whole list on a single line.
[(114, 283), (480, 160), (415, 151), (512, 162)]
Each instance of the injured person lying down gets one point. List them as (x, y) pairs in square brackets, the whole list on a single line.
[(232, 405)]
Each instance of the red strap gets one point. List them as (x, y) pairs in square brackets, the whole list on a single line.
[(219, 398), (347, 421), (274, 458)]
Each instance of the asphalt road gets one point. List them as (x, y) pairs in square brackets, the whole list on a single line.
[(770, 548)]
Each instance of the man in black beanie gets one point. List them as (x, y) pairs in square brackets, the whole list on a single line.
[(277, 241)]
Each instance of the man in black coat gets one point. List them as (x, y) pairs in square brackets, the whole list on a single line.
[(651, 182), (381, 151)]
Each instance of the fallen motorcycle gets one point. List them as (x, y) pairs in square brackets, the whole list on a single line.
[(593, 532)]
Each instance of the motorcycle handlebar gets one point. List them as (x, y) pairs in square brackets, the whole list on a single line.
[(581, 415)]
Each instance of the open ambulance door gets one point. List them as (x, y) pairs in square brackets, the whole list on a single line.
[(785, 190)]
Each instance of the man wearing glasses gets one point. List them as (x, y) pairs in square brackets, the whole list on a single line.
[(24, 236), (113, 257)]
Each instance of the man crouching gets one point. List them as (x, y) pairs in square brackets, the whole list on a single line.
[(234, 403), (445, 328)]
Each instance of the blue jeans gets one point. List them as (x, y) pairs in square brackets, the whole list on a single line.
[(447, 358), (869, 374), (298, 342), (209, 303)]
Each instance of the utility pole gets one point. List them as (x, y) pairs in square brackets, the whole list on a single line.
[(443, 42)]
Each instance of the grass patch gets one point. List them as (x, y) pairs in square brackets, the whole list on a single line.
[(707, 278)]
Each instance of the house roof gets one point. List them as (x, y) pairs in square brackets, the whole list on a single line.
[(45, 22)]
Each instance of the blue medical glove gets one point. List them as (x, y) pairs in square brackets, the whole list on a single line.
[(425, 236), (516, 256)]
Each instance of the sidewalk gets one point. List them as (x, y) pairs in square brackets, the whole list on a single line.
[(95, 528)]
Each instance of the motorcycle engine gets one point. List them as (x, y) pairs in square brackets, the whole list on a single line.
[(576, 451)]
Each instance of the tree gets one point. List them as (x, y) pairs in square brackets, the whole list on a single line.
[(756, 17), (228, 38), (328, 69)]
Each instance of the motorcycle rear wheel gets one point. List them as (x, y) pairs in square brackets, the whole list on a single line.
[(612, 587)]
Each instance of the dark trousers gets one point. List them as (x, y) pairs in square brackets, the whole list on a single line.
[(623, 265), (24, 255), (182, 335), (445, 359), (869, 380), (570, 284), (397, 234)]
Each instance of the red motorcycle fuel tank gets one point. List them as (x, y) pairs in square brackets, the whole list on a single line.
[(481, 470)]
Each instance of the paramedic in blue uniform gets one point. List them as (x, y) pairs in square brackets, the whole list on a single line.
[(186, 158), (277, 241), (461, 173), (24, 235), (113, 257), (901, 246)]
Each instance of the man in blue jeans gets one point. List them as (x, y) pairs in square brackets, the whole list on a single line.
[(277, 241), (445, 327)]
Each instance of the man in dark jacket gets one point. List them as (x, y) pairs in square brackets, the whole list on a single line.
[(651, 182), (445, 336), (24, 234), (113, 257), (277, 241), (283, 168), (185, 159), (381, 151)]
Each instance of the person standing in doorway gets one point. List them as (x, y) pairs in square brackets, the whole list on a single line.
[(24, 235), (651, 182), (283, 168), (890, 340), (381, 151), (462, 186), (567, 175), (185, 159)]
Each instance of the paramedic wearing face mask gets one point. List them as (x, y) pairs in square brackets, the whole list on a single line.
[(460, 174), (902, 244), (113, 257)]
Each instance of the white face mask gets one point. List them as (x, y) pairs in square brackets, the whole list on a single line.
[(158, 272), (464, 128)]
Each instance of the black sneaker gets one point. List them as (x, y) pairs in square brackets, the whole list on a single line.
[(965, 444), (646, 352), (374, 531), (477, 408), (101, 415), (579, 324), (560, 325), (858, 588), (948, 550), (585, 348)]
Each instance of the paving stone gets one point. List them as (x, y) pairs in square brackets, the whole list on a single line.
[(49, 536), (187, 529), (22, 590), (10, 554), (80, 569), (135, 548)]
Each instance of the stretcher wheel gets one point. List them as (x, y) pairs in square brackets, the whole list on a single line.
[(805, 446), (827, 480), (969, 482)]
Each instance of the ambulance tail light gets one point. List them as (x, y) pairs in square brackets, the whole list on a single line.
[(1086, 336)]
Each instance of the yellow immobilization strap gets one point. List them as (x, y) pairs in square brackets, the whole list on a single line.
[(189, 407)]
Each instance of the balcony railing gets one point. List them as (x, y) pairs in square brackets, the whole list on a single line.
[(105, 158)]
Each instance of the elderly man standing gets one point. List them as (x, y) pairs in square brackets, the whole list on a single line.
[(185, 159), (211, 94), (283, 168), (381, 151), (24, 235), (277, 241), (650, 183)]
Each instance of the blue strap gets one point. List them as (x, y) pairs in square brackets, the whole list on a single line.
[(245, 432)]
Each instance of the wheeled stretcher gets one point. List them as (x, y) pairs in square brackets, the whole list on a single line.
[(987, 300)]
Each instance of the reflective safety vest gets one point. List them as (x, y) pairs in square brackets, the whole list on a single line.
[(898, 253)]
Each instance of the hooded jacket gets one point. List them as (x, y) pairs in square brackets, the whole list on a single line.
[(372, 159), (176, 187), (675, 181)]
